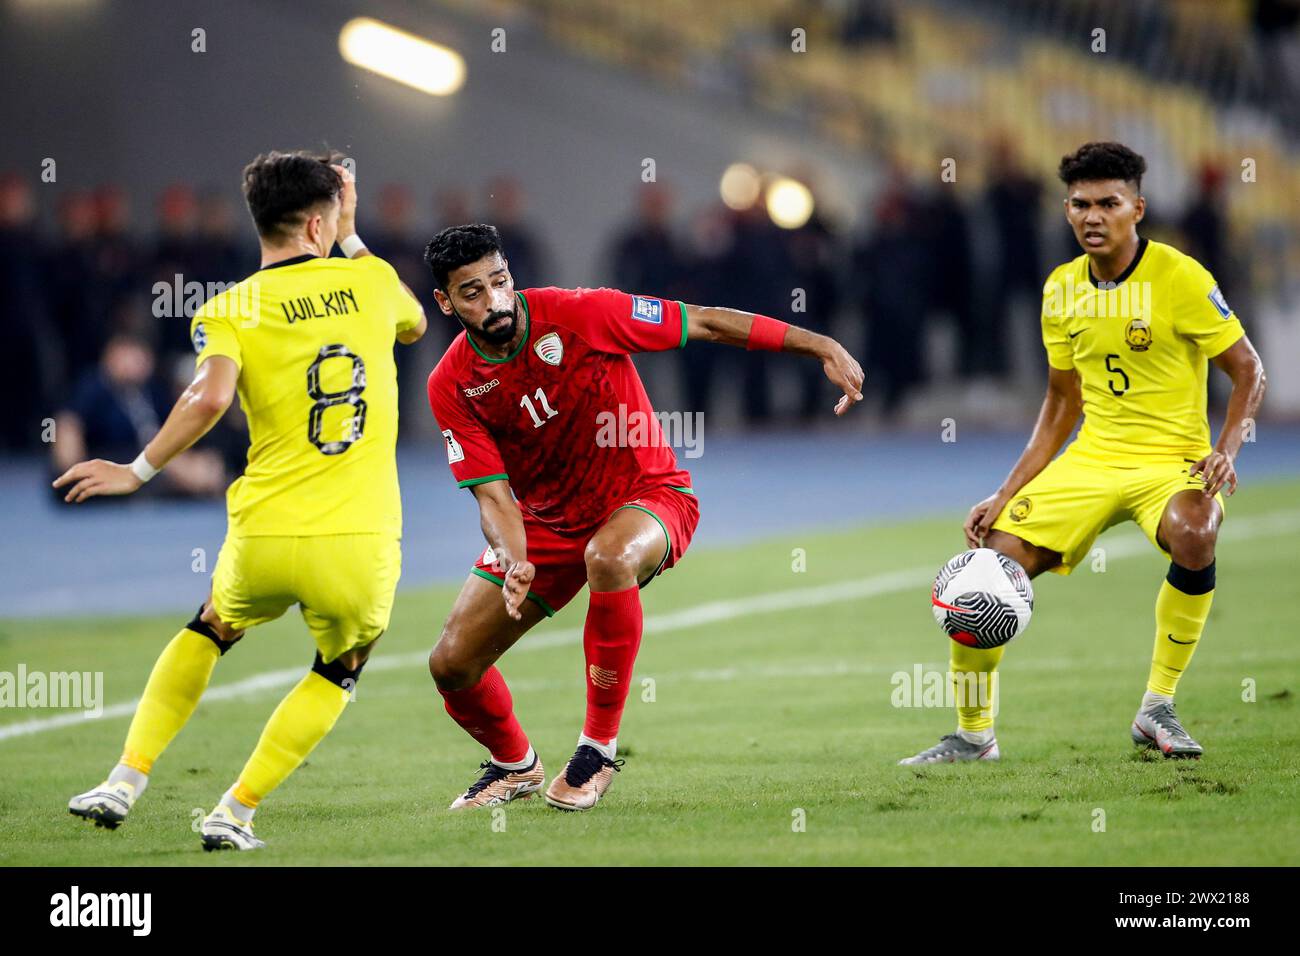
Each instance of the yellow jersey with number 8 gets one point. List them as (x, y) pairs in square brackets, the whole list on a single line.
[(1140, 345), (313, 339)]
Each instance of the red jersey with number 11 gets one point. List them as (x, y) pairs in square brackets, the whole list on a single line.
[(564, 418)]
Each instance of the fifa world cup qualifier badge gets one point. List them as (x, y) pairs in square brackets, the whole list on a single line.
[(1138, 335)]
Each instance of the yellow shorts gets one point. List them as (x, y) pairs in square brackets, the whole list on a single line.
[(1079, 495), (344, 584)]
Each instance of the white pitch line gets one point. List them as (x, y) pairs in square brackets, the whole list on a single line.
[(711, 612)]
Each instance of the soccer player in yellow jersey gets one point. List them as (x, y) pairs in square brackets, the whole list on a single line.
[(307, 341), (1128, 327)]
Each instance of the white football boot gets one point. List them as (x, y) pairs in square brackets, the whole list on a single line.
[(105, 806), (222, 830)]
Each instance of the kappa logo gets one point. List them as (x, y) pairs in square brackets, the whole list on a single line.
[(1219, 302), (549, 348), (481, 389), (602, 678), (454, 452), (647, 310)]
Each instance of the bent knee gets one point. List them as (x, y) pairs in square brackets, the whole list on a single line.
[(449, 669), (208, 623), (609, 567), (1191, 534)]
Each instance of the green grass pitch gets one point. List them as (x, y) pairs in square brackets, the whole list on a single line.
[(771, 737)]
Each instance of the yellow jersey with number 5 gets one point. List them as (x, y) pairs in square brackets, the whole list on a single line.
[(1141, 346), (313, 339)]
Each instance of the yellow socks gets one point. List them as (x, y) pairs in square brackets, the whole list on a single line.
[(1182, 608), (301, 721), (178, 680), (974, 684)]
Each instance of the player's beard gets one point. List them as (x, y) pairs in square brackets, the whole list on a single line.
[(502, 336)]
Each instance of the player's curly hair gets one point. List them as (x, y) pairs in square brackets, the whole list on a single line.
[(282, 188), (1103, 161), (458, 246)]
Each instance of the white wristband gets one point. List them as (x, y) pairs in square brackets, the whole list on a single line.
[(351, 245), (142, 469)]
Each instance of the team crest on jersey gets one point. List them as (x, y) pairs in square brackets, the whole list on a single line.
[(454, 452), (199, 337), (1138, 335), (549, 348), (647, 310), (1219, 302), (1020, 510)]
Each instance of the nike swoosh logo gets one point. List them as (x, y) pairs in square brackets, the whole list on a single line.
[(1176, 641), (947, 607), (1080, 332)]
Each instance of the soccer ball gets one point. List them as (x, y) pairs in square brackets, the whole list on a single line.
[(982, 598)]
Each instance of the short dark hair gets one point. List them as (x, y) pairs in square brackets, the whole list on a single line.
[(1103, 161), (280, 188), (458, 246)]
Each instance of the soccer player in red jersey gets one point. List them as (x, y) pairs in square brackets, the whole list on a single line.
[(525, 397)]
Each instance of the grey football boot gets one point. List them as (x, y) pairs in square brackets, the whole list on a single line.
[(1159, 728), (952, 748)]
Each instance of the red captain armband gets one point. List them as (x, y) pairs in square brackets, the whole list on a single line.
[(766, 334)]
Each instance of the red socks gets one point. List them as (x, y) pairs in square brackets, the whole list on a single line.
[(610, 639), (486, 711)]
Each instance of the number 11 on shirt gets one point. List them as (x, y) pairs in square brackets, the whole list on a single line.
[(527, 403)]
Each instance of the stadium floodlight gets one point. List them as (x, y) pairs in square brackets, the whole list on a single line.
[(789, 202), (741, 186), (401, 56)]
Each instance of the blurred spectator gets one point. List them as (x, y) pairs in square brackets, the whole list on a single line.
[(1276, 26), (867, 21), (505, 202), (705, 280), (451, 208), (645, 257), (814, 251), (30, 363), (220, 254), (394, 239), (1013, 200), (178, 251), (952, 275), (117, 256), (1205, 223), (79, 303), (760, 278), (116, 409), (893, 263)]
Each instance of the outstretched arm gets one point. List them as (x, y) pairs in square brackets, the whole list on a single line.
[(1242, 364), (733, 327), (503, 527), (1056, 419), (200, 407)]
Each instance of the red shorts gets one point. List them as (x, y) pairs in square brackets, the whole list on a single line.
[(560, 559)]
